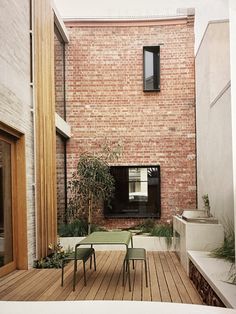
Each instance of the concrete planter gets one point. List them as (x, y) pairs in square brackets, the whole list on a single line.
[(147, 242)]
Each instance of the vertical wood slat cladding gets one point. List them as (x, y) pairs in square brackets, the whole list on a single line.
[(45, 125)]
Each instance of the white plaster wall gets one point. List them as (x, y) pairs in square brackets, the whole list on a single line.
[(15, 91), (232, 14), (214, 131)]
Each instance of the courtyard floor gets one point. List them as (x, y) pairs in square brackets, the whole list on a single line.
[(168, 282)]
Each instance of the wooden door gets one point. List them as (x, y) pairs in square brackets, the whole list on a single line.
[(7, 204)]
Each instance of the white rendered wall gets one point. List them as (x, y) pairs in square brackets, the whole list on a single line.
[(232, 14), (213, 115)]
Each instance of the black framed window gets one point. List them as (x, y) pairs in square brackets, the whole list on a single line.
[(137, 192), (151, 68), (59, 67)]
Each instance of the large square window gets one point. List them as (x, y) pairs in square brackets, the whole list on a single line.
[(137, 192), (151, 68)]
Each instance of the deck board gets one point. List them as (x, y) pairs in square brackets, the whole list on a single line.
[(167, 281)]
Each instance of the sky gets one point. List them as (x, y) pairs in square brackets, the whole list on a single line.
[(205, 10)]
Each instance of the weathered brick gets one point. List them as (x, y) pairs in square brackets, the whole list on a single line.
[(105, 99)]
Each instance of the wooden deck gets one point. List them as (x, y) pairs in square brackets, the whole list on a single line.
[(168, 282)]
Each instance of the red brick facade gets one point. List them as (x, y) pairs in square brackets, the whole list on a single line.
[(105, 99)]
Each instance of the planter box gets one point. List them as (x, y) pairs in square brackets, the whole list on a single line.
[(147, 242)]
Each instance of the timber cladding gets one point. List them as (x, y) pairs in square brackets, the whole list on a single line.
[(45, 125)]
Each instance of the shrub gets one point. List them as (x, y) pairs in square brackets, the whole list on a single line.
[(147, 226), (227, 250), (162, 230), (54, 259), (78, 228)]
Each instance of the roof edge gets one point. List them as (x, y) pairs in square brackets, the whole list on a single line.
[(125, 19), (204, 34)]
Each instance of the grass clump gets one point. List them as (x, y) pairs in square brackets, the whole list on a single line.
[(77, 228), (227, 250), (147, 226), (162, 230)]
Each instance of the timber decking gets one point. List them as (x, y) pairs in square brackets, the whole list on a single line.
[(167, 281)]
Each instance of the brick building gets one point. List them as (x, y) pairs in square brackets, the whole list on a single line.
[(106, 98)]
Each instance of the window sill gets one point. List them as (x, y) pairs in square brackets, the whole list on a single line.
[(132, 215)]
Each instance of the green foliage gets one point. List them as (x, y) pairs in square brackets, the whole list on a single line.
[(162, 230), (227, 250), (54, 259), (147, 226), (77, 228), (91, 184), (206, 201)]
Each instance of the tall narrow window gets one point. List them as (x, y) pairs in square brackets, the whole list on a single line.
[(59, 58), (151, 68)]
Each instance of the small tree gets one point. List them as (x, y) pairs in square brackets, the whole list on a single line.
[(91, 184)]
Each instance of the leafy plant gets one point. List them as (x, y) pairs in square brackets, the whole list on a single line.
[(162, 230), (91, 183), (54, 259), (147, 226), (77, 228), (206, 202)]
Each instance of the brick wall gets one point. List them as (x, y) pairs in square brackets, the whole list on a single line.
[(60, 166), (105, 99)]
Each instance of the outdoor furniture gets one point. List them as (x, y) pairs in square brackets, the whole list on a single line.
[(104, 238), (80, 254), (134, 254)]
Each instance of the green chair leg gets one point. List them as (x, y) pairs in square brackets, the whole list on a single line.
[(135, 254), (85, 282), (145, 264), (129, 275)]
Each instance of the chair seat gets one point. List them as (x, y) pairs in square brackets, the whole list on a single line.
[(82, 254), (136, 254)]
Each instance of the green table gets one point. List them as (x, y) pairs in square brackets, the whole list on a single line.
[(104, 238)]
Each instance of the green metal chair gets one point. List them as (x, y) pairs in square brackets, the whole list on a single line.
[(83, 254), (132, 255)]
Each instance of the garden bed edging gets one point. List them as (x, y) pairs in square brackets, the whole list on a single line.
[(150, 243)]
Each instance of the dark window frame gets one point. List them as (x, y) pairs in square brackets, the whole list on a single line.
[(131, 213), (60, 39), (156, 68)]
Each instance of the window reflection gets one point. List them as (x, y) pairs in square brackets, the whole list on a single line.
[(151, 59), (137, 192), (138, 185)]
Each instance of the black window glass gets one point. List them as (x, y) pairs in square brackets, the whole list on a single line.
[(151, 75), (137, 192)]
